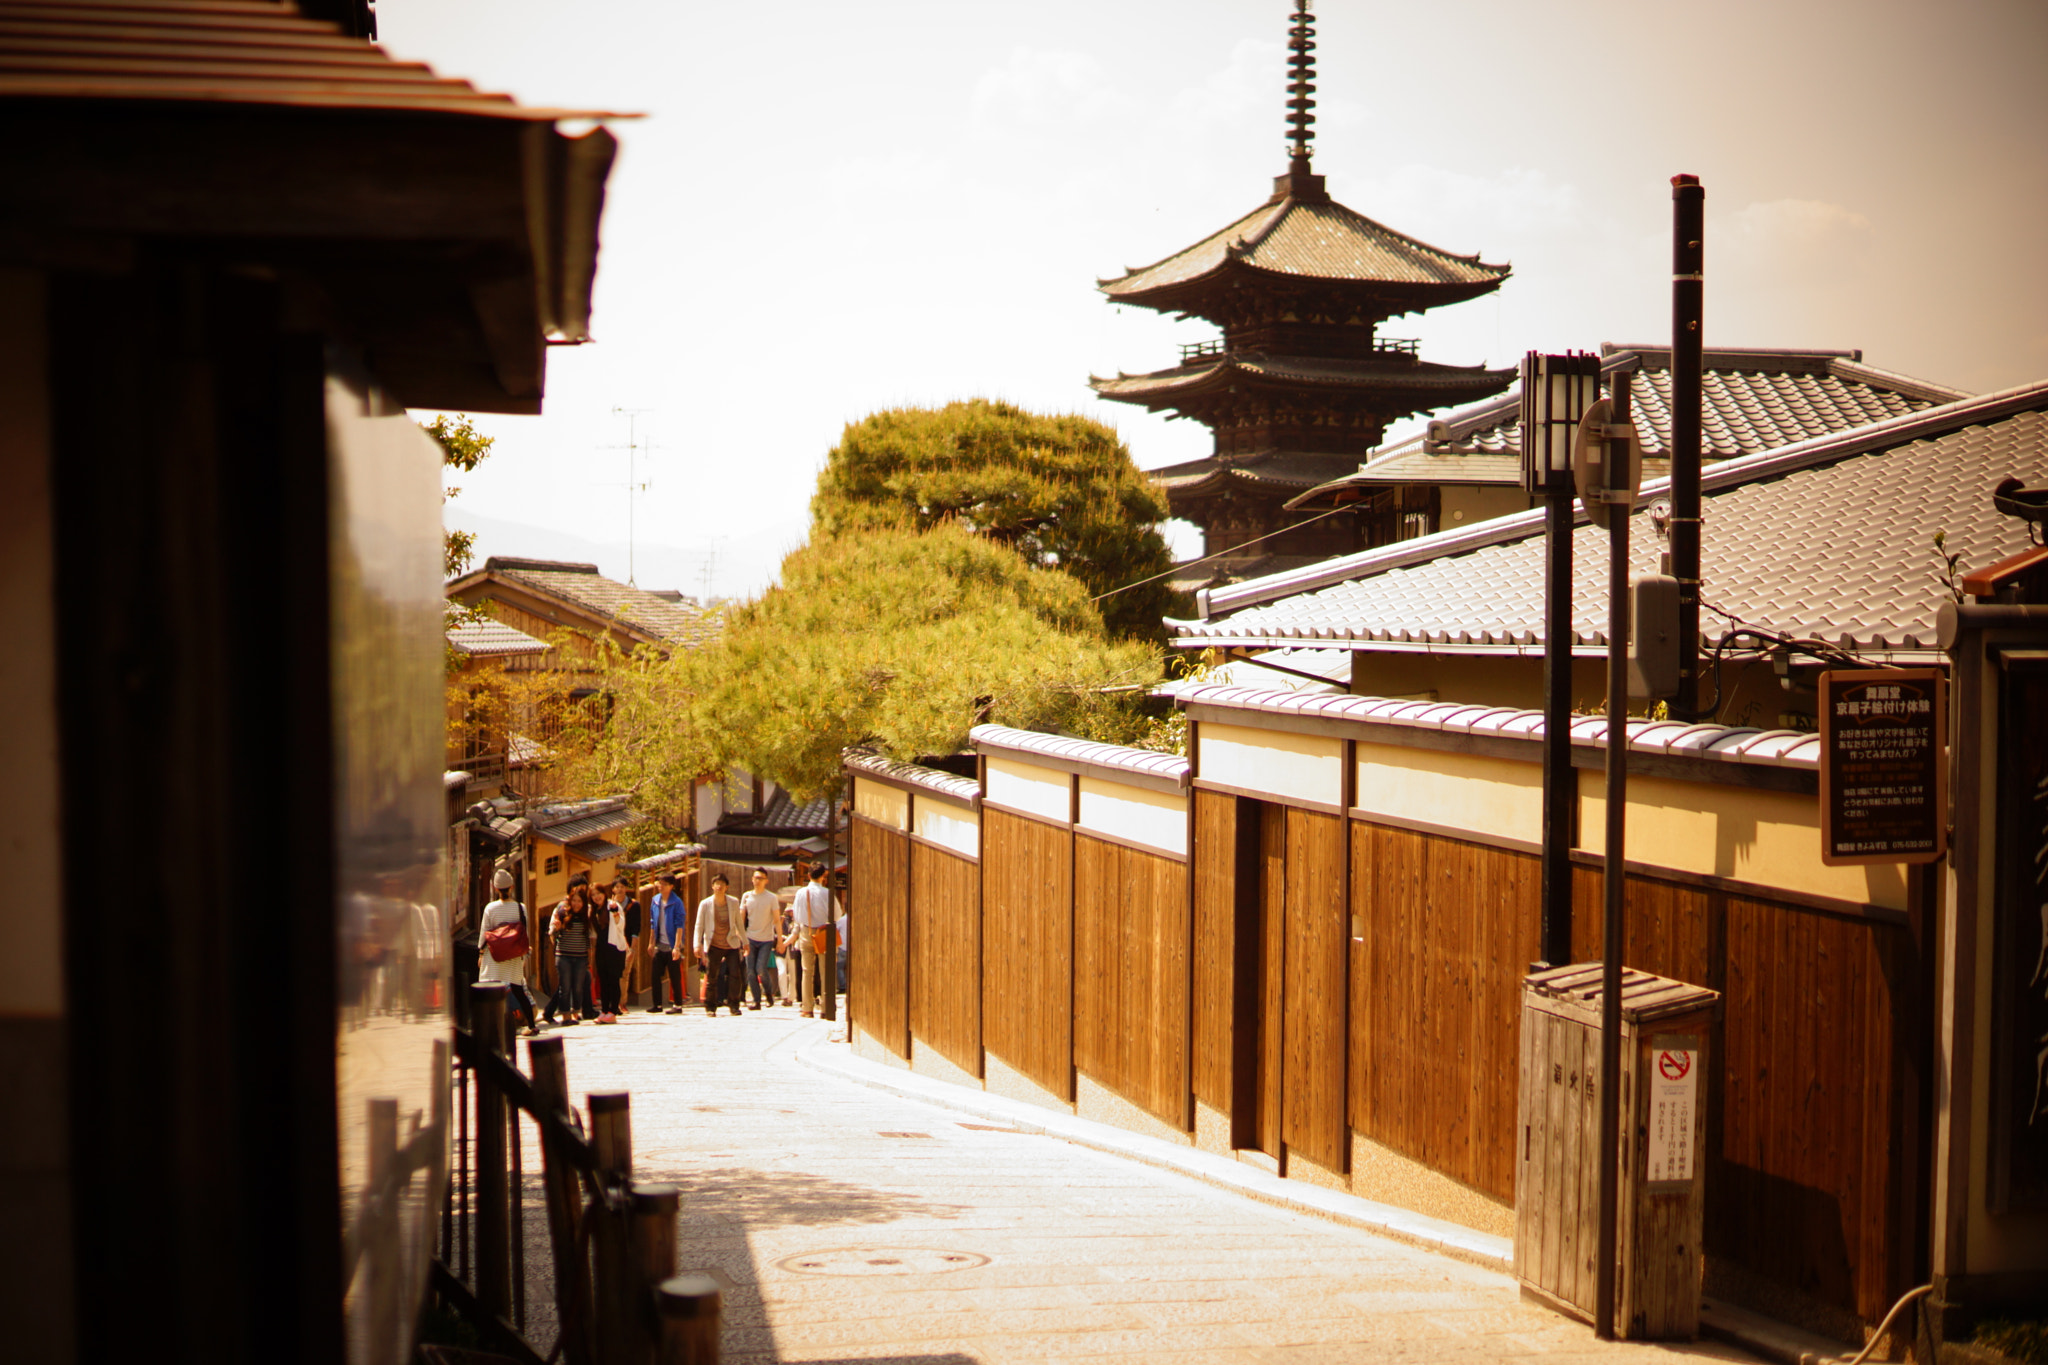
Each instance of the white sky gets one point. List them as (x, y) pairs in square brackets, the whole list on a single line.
[(837, 207)]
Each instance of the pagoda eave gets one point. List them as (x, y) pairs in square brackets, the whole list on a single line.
[(1212, 293), (1406, 386)]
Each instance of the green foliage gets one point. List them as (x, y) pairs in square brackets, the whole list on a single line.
[(1060, 491), (904, 640), (463, 448), (2024, 1341)]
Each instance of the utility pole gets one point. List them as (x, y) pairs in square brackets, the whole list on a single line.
[(1688, 287), (633, 486)]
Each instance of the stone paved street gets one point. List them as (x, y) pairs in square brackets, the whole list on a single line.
[(850, 1223)]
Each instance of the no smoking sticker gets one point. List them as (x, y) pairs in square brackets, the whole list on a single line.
[(1674, 1112)]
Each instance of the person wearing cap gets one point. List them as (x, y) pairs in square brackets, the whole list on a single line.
[(512, 971)]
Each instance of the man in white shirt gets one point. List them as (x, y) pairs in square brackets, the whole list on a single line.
[(813, 911), (721, 944), (763, 909)]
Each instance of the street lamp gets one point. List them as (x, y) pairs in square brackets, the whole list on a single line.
[(1556, 392)]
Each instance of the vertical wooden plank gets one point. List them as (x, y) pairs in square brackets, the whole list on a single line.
[(1272, 972)]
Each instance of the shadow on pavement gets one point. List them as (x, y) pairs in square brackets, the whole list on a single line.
[(754, 1198)]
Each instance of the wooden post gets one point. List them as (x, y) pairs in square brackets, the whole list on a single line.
[(828, 970), (379, 1263), (611, 1136), (559, 1183), (493, 1206), (653, 1256), (691, 1308)]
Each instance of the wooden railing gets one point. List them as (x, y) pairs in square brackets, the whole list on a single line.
[(614, 1295)]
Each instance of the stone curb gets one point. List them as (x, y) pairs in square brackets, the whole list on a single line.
[(835, 1059)]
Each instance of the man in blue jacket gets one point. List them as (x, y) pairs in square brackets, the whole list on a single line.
[(670, 922)]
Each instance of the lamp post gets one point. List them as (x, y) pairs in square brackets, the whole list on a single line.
[(1556, 392)]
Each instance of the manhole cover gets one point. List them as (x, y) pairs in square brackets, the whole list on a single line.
[(882, 1261)]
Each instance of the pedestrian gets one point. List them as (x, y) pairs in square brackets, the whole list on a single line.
[(618, 932), (511, 970), (721, 946), (572, 927), (844, 961), (764, 917), (668, 922), (810, 914)]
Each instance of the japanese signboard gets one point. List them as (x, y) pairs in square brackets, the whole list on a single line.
[(1674, 1112), (1883, 765)]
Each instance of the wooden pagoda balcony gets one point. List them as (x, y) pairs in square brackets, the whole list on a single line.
[(1215, 348)]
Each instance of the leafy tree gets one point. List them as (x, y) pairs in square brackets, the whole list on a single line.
[(463, 448), (1060, 491), (898, 639)]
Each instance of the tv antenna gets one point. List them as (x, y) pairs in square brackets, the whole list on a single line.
[(634, 485)]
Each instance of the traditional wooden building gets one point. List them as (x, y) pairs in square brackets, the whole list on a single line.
[(239, 243), (1301, 385)]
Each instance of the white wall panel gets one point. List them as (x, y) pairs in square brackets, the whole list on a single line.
[(946, 822), (1278, 762), (1152, 818), (1023, 786), (881, 803)]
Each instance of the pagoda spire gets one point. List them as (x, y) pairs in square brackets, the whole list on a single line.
[(1301, 81)]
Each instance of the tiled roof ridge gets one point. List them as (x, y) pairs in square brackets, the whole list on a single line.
[(1149, 762), (1858, 372), (1891, 432), (915, 774), (513, 564), (562, 812), (1797, 749)]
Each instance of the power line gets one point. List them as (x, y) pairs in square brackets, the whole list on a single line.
[(1220, 553)]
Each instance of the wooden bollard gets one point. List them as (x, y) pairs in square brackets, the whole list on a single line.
[(652, 1254), (692, 1312), (493, 1192), (617, 1303), (560, 1183)]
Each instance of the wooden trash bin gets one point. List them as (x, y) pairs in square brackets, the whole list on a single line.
[(1665, 1026)]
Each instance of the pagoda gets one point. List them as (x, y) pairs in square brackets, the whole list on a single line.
[(1301, 386)]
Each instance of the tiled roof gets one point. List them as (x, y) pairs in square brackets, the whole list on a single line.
[(1323, 241), (1081, 753), (1829, 539), (1799, 749), (1442, 383), (220, 52), (595, 850), (781, 812), (570, 821), (648, 612), (487, 638), (1333, 666), (1751, 401), (655, 862), (916, 775)]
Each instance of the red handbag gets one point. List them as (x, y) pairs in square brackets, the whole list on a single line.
[(507, 941)]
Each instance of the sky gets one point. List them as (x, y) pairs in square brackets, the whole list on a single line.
[(832, 208)]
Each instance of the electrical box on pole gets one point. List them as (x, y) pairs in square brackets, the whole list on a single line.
[(1653, 653)]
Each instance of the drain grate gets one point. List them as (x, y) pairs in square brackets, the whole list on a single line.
[(882, 1261)]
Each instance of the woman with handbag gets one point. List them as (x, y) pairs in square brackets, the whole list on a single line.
[(502, 958)]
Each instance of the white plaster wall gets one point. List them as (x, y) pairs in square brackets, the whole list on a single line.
[(1152, 818), (1497, 796), (946, 822), (1026, 787), (1305, 767), (881, 803)]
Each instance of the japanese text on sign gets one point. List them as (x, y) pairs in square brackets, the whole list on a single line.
[(1674, 1096), (1881, 782)]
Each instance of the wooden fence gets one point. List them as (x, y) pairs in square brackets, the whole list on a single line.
[(1309, 976)]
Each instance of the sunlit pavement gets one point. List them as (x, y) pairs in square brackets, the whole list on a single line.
[(848, 1223)]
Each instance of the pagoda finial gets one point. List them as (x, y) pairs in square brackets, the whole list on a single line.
[(1301, 81)]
